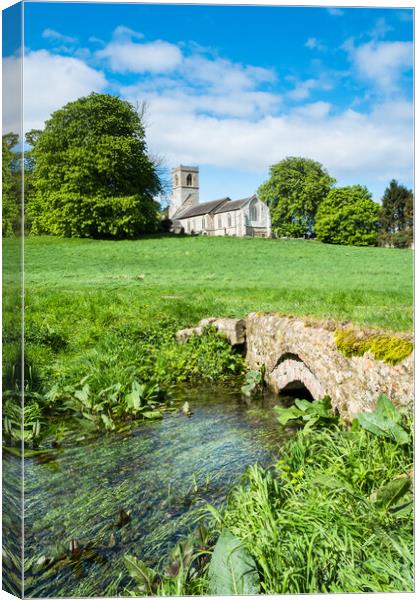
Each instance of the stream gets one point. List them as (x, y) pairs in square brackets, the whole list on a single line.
[(164, 472)]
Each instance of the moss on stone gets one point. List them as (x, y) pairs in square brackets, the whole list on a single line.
[(391, 349)]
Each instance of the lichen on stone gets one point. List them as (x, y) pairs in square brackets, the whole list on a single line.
[(389, 348)]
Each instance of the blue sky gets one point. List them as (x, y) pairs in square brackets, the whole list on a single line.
[(236, 89)]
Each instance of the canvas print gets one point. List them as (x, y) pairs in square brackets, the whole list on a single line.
[(207, 299)]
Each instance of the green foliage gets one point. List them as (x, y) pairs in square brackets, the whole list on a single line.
[(334, 516), (21, 426), (232, 569), (399, 239), (124, 375), (389, 494), (184, 574), (309, 414), (384, 421), (110, 405), (293, 192), (11, 186), (92, 175), (396, 216), (254, 382), (348, 215), (144, 576), (391, 349)]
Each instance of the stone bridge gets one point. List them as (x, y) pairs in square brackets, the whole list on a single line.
[(301, 357)]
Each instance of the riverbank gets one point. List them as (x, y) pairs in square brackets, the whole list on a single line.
[(333, 515)]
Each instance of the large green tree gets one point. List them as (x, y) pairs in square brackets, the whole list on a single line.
[(348, 215), (93, 176), (11, 185), (396, 216), (293, 192)]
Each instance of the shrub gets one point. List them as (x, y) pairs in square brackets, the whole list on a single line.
[(348, 215)]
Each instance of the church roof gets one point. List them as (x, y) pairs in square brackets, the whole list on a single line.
[(233, 205), (201, 209)]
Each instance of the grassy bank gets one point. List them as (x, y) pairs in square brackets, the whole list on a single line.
[(101, 316), (334, 515)]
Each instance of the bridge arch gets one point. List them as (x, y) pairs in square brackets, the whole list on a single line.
[(291, 376)]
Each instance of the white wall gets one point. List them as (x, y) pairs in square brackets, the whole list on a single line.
[(241, 221)]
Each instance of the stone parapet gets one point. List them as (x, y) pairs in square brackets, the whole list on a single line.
[(232, 329), (293, 350), (304, 352)]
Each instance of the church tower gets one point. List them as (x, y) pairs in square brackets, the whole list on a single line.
[(184, 188)]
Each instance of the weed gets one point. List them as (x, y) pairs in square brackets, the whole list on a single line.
[(389, 348)]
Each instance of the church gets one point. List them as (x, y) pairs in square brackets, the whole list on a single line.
[(247, 216)]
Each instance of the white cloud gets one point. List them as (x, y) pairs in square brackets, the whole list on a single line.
[(311, 42), (51, 80), (123, 55), (381, 28), (314, 44), (381, 63), (95, 40), (51, 34), (303, 89), (314, 110), (350, 144), (224, 75), (126, 56), (335, 12), (122, 32), (177, 100), (12, 70), (211, 111)]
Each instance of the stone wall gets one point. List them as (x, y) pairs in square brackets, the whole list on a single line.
[(298, 351), (294, 350)]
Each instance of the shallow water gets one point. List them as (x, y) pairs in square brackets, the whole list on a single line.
[(164, 472)]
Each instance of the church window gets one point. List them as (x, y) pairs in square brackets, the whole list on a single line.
[(219, 221), (229, 220), (203, 223), (253, 213), (189, 179)]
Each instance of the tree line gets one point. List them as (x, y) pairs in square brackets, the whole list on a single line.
[(88, 174), (304, 202)]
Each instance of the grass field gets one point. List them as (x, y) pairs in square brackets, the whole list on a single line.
[(191, 278), (107, 312), (101, 318)]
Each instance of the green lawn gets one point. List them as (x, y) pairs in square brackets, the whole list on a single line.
[(190, 278), (101, 318)]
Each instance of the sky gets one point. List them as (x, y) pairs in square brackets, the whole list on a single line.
[(234, 89)]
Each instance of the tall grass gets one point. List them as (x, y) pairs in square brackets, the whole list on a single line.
[(312, 523)]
